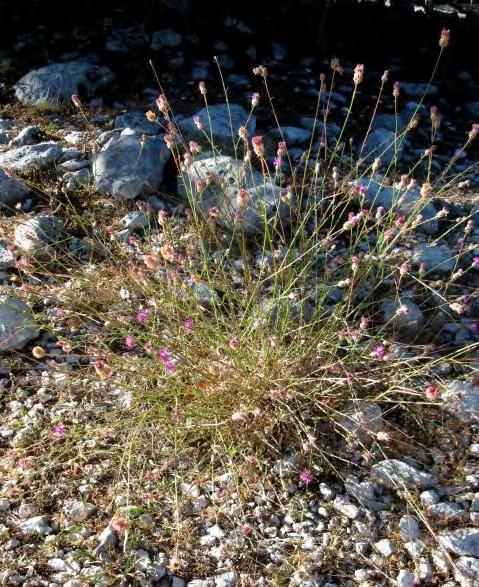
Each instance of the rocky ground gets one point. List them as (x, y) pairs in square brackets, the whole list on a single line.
[(398, 503)]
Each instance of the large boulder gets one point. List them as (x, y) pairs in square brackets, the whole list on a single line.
[(225, 121), (31, 157), (17, 326), (125, 168), (58, 81), (12, 190), (214, 182)]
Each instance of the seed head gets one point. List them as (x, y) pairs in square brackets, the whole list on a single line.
[(202, 88), (75, 98), (358, 74), (198, 123), (150, 115), (385, 76), (396, 89), (162, 104), (255, 99), (242, 198)]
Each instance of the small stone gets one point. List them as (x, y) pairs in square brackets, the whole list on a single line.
[(425, 571), (429, 497), (409, 528), (216, 531), (385, 547), (4, 504), (57, 564), (36, 525), (415, 548), (228, 579), (31, 157), (12, 190), (78, 511), (17, 326), (345, 507), (441, 560), (27, 510), (405, 579), (446, 512)]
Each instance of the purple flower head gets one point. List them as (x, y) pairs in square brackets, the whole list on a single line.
[(277, 163), (188, 325), (59, 430), (378, 352), (143, 316), (305, 477), (164, 354), (130, 342)]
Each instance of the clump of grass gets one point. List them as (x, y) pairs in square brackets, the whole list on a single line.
[(226, 359)]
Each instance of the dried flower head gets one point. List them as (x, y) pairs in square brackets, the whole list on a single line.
[(255, 98), (150, 115), (358, 74), (198, 123), (385, 76), (336, 66), (162, 104), (396, 89), (473, 132), (102, 369), (75, 98), (202, 88), (258, 146)]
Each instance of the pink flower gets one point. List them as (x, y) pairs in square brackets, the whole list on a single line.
[(176, 416), (432, 392), (475, 263), (444, 38), (198, 123), (163, 354), (305, 477), (59, 430), (396, 89), (246, 530), (130, 342), (169, 366), (149, 475), (143, 316), (255, 99), (234, 343), (378, 352), (384, 437), (75, 98), (188, 325), (358, 74), (194, 147), (202, 88)]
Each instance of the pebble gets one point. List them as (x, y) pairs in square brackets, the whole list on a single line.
[(385, 547), (405, 579)]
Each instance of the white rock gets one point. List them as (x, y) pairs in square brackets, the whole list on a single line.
[(405, 579), (409, 528), (467, 571), (385, 547), (345, 507), (30, 157), (12, 190), (216, 531), (78, 511), (463, 541)]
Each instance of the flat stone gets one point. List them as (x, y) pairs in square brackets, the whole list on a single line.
[(58, 81), (461, 399), (17, 326), (30, 157), (35, 235), (409, 528), (397, 474), (436, 258), (463, 541), (405, 579)]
